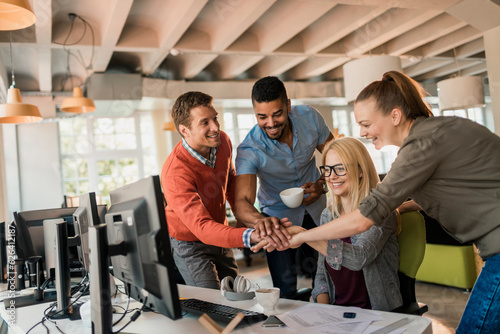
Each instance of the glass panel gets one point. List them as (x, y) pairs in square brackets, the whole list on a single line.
[(341, 121), (147, 141), (69, 168), (80, 126), (106, 184), (67, 145), (103, 126), (106, 167), (127, 167), (354, 126), (246, 121), (83, 168), (81, 145), (125, 125), (70, 188), (149, 167), (104, 142), (66, 127), (84, 187), (125, 141)]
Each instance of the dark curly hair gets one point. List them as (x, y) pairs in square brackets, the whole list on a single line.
[(269, 89)]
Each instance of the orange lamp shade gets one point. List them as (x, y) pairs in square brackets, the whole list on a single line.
[(16, 14), (78, 104), (15, 111)]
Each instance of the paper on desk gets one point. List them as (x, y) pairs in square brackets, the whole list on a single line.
[(319, 318)]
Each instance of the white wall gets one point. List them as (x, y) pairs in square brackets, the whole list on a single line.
[(39, 166)]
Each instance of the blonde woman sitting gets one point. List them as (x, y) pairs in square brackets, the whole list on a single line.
[(361, 270)]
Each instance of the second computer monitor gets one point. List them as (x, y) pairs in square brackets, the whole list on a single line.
[(136, 219), (87, 214)]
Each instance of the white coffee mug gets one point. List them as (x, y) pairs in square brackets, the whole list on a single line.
[(268, 298)]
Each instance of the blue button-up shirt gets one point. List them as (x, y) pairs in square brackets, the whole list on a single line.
[(279, 168)]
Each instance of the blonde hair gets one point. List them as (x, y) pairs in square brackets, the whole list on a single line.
[(361, 173)]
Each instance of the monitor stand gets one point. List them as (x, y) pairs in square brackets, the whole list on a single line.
[(101, 312), (63, 278)]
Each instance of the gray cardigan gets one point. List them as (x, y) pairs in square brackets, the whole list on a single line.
[(376, 252)]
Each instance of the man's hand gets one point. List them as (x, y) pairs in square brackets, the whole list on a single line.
[(315, 190), (274, 230), (267, 245)]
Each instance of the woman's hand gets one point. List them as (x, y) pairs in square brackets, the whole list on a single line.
[(267, 243)]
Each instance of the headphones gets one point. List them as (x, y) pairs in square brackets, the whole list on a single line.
[(239, 284)]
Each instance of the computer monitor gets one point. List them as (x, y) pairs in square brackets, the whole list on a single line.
[(87, 214), (140, 252), (29, 227), (34, 238), (136, 220)]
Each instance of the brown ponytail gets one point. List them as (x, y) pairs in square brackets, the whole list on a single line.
[(396, 90)]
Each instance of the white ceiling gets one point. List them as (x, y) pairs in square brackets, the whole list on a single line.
[(209, 40)]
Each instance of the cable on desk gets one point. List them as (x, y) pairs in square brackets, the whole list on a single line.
[(134, 316), (124, 313), (38, 323), (51, 306)]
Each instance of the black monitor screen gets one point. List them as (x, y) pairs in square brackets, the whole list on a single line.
[(137, 218), (87, 214)]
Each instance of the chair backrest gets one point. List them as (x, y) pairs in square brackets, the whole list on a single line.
[(411, 243)]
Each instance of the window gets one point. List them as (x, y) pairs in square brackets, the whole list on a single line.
[(101, 154), (237, 124)]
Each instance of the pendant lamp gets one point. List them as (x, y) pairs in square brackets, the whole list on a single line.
[(460, 93), (169, 126), (16, 14), (15, 111), (361, 72), (78, 103)]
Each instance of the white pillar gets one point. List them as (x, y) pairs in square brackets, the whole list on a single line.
[(492, 49)]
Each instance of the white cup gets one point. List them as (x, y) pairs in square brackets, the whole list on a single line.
[(292, 197), (268, 298)]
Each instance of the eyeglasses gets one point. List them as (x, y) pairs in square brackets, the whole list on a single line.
[(338, 169)]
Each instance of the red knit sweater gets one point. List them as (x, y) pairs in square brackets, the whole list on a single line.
[(196, 196)]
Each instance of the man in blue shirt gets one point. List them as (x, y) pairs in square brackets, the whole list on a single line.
[(279, 150)]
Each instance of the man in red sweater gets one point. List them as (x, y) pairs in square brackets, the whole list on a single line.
[(197, 179)]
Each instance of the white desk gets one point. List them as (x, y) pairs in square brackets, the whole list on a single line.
[(151, 323)]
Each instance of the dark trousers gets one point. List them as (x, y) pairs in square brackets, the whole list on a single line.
[(285, 265)]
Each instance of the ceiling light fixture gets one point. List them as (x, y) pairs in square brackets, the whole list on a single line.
[(16, 14), (360, 73), (460, 92), (78, 103), (169, 126), (15, 111)]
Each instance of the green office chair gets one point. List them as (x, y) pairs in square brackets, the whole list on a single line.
[(411, 253)]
